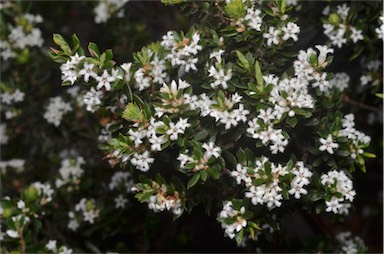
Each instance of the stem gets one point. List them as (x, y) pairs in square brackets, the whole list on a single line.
[(360, 104), (22, 242)]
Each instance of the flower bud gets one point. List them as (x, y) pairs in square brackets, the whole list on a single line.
[(31, 194), (334, 19)]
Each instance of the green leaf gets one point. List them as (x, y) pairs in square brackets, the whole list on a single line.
[(252, 232), (201, 135), (230, 158), (343, 153), (259, 77), (254, 225), (243, 61), (93, 50), (203, 175), (313, 60), (258, 181), (132, 113), (282, 5), (369, 155), (59, 40), (292, 121), (239, 237), (76, 43), (317, 162), (214, 172), (192, 182)]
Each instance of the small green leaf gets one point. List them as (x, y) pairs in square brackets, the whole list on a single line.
[(239, 237), (132, 113), (252, 231), (243, 61), (313, 60), (203, 175), (76, 43), (192, 182), (343, 153), (59, 40), (292, 121), (254, 225), (201, 135), (93, 50), (259, 77), (369, 155)]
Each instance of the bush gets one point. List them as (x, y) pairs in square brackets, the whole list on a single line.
[(257, 114)]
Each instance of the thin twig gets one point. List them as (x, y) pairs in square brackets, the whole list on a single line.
[(360, 104)]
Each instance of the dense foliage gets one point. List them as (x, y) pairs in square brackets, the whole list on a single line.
[(266, 115)]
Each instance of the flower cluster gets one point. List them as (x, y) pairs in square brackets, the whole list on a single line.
[(337, 28), (380, 30), (266, 181), (339, 189), (232, 220), (183, 50), (340, 81), (105, 9), (199, 160), (8, 99), (309, 65), (160, 196), (44, 192), (223, 109), (275, 36), (70, 172), (17, 164), (22, 36), (350, 244), (56, 109), (372, 73), (86, 210), (359, 139), (51, 246)]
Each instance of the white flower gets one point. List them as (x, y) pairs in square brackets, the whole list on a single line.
[(323, 52), (127, 70), (254, 19), (356, 35), (92, 99), (221, 77), (20, 204), (327, 144), (343, 10), (65, 250), (338, 38), (12, 233), (291, 30), (380, 30), (142, 161), (120, 202), (272, 36), (211, 150), (51, 245), (365, 79), (217, 55), (333, 205), (87, 71), (105, 81)]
